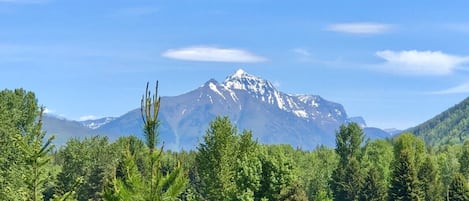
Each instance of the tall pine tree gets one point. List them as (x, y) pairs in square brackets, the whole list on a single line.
[(151, 184), (37, 150), (347, 178), (215, 160), (374, 188), (404, 184), (429, 181), (459, 189)]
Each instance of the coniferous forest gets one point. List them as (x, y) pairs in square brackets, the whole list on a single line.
[(228, 164)]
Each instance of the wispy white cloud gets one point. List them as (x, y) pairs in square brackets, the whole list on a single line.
[(420, 62), (462, 88), (302, 52), (360, 28), (459, 27), (212, 54), (87, 117)]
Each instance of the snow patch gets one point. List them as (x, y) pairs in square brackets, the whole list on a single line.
[(210, 97), (214, 88), (95, 124), (301, 113), (279, 99)]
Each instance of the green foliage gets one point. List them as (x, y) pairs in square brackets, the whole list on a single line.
[(26, 171), (348, 142), (459, 189), (248, 166), (147, 182), (378, 154), (150, 107), (347, 178), (293, 192), (414, 145), (404, 183), (464, 159), (87, 166), (215, 160), (277, 172), (374, 187), (315, 172), (18, 111), (447, 162), (429, 181), (37, 159), (227, 165), (231, 166), (449, 127)]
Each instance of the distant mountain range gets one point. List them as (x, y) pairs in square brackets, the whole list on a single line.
[(250, 102)]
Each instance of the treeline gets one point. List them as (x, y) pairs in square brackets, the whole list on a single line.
[(451, 126), (227, 165)]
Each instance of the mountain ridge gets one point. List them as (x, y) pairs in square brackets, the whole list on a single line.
[(449, 127), (252, 103)]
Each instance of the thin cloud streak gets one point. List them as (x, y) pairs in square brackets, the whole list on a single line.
[(212, 54), (460, 89), (360, 28), (414, 62)]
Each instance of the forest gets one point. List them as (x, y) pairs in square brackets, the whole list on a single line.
[(228, 164)]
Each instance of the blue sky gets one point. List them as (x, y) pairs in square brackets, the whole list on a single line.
[(396, 63)]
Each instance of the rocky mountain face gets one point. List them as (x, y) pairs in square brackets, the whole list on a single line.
[(251, 103)]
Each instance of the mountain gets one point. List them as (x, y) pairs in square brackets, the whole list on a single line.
[(450, 126), (393, 131), (64, 129), (96, 123), (251, 103)]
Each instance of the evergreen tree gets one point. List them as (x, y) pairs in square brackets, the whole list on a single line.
[(348, 142), (429, 181), (154, 185), (214, 160), (448, 164), (378, 154), (26, 172), (277, 173), (87, 167), (248, 166), (347, 178), (459, 189), (18, 112), (316, 172), (37, 160), (404, 185), (294, 192), (374, 188), (464, 160)]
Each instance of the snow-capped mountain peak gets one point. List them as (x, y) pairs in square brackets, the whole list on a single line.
[(239, 73)]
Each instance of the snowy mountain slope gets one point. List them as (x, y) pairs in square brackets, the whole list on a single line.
[(96, 123)]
